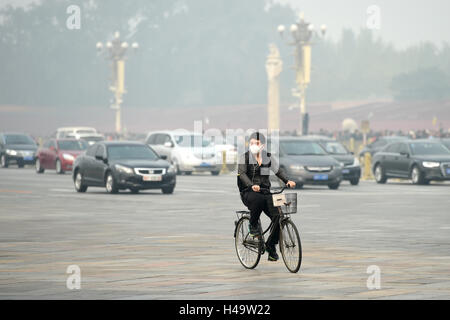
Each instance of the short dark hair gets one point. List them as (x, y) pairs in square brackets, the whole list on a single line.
[(257, 136)]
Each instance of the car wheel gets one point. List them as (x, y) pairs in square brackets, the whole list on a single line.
[(58, 166), (380, 177), (215, 173), (177, 167), (79, 185), (134, 190), (168, 190), (20, 164), (354, 181), (110, 183), (4, 161), (38, 166), (334, 186), (188, 173), (417, 176)]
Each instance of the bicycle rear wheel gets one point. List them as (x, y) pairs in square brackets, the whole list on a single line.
[(290, 246), (247, 247)]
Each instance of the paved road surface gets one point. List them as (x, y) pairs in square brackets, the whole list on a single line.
[(180, 246)]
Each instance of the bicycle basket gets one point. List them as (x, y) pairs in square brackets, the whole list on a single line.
[(290, 205)]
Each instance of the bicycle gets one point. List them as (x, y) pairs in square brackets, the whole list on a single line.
[(249, 249)]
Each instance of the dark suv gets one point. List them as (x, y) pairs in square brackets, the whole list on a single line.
[(418, 160), (123, 165), (18, 148)]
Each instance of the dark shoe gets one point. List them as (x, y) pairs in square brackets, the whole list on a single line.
[(254, 232), (273, 256)]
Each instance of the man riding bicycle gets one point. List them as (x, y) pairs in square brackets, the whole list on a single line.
[(253, 175)]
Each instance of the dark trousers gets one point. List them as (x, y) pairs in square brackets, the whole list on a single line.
[(258, 202)]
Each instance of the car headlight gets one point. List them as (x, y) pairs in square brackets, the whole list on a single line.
[(429, 164), (123, 169), (295, 167), (356, 162), (11, 152), (171, 169), (68, 157)]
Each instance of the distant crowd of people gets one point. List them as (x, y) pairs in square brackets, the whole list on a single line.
[(373, 135)]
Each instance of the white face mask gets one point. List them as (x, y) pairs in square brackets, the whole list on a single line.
[(255, 149)]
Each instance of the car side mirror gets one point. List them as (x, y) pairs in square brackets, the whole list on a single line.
[(168, 144), (164, 157)]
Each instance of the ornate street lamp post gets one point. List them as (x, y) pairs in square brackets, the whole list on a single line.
[(116, 50), (302, 33)]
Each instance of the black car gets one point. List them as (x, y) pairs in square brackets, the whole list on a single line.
[(306, 162), (379, 144), (123, 165), (351, 170), (17, 148), (418, 160)]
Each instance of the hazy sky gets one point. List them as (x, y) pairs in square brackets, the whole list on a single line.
[(403, 22)]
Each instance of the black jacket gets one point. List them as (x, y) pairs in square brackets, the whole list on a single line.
[(251, 173)]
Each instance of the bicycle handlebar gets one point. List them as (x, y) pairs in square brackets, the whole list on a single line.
[(268, 190)]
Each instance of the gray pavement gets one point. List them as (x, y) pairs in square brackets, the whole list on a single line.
[(180, 246)]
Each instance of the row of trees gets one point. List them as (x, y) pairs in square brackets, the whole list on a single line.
[(196, 52)]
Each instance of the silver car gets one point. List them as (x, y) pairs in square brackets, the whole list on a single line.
[(187, 151)]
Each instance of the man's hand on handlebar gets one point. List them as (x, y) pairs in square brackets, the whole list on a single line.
[(290, 184)]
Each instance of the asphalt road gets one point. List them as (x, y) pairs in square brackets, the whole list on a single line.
[(180, 246)]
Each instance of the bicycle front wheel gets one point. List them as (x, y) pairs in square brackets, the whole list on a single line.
[(247, 247), (290, 246)]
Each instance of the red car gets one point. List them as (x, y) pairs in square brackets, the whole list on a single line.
[(59, 154)]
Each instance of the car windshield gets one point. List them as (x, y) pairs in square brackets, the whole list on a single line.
[(426, 148), (18, 139), (190, 141), (84, 131), (131, 152), (301, 148), (92, 138), (72, 145), (334, 147)]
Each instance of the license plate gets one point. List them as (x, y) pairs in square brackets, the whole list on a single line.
[(155, 177), (448, 171), (204, 164), (345, 171), (320, 177), (28, 158)]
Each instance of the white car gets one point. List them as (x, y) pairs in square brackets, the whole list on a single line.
[(187, 151), (88, 134)]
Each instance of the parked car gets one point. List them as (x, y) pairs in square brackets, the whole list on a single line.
[(59, 154), (351, 170), (419, 160), (187, 151), (17, 148), (90, 135), (306, 162), (379, 144), (119, 165)]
